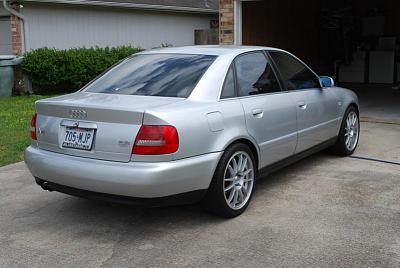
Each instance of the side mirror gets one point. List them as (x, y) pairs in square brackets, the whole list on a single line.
[(326, 81)]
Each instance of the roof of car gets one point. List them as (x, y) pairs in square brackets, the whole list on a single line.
[(216, 50)]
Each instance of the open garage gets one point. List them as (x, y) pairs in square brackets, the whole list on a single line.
[(354, 41)]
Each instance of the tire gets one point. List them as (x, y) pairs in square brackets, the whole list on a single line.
[(344, 146), (232, 187)]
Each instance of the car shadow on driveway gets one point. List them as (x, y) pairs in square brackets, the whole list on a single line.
[(182, 213)]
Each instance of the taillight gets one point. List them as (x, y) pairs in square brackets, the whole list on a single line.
[(156, 140), (33, 127)]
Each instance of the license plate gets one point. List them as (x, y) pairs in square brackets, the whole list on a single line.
[(78, 138)]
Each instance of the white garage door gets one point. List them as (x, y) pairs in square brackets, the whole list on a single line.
[(5, 36)]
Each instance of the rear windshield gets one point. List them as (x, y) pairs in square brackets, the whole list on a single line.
[(167, 75)]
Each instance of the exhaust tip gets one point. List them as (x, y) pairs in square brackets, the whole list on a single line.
[(44, 184)]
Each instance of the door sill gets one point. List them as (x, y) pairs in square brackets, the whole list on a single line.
[(296, 157)]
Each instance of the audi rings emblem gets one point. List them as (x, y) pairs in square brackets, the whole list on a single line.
[(77, 114)]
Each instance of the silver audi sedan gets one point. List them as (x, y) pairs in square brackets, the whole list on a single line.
[(180, 125)]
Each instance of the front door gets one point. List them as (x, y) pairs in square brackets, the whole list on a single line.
[(316, 107)]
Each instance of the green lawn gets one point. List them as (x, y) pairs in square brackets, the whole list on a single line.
[(15, 118)]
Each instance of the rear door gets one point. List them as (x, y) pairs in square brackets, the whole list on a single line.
[(316, 107), (270, 115)]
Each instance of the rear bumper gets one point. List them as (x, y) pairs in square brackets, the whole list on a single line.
[(132, 179), (177, 199)]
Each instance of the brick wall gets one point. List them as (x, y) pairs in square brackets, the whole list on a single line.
[(226, 22), (16, 33)]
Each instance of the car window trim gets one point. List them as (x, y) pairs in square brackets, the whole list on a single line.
[(301, 62), (276, 71), (232, 65), (254, 96), (237, 97), (266, 58)]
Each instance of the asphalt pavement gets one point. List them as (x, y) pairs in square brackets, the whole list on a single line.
[(323, 211)]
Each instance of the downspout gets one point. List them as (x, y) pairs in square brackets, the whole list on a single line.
[(25, 25), (237, 22)]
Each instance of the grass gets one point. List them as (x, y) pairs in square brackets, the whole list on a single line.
[(15, 118)]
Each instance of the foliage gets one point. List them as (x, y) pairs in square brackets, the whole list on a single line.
[(15, 118), (69, 70)]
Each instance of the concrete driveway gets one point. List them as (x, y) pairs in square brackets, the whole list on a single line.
[(322, 211)]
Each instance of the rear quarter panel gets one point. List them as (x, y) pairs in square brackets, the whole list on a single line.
[(203, 127)]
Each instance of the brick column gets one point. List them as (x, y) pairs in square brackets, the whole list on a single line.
[(226, 22), (16, 33)]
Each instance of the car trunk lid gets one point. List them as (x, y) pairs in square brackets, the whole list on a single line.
[(93, 125)]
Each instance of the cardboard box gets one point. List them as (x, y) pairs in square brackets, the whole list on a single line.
[(355, 72), (398, 72), (387, 43), (381, 67)]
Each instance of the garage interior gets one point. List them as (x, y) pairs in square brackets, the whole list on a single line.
[(357, 42)]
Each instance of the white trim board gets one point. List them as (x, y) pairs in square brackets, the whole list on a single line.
[(130, 5)]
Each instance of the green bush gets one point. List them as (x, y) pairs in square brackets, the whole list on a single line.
[(69, 70)]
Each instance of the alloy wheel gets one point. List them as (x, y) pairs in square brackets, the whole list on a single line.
[(351, 131), (238, 180)]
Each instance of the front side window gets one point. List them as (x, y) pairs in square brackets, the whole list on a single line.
[(166, 75), (255, 74), (295, 75)]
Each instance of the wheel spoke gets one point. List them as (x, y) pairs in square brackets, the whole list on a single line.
[(235, 198), (247, 172), (240, 162), (241, 196), (229, 187), (244, 164), (231, 170), (244, 190), (235, 165), (229, 179), (248, 180), (348, 142), (231, 195)]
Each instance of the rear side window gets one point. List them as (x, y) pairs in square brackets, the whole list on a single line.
[(228, 90), (255, 74), (295, 75), (166, 75)]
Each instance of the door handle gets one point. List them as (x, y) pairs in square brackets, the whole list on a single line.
[(302, 105), (258, 113)]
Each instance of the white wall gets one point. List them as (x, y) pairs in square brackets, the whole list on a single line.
[(3, 12), (5, 36), (5, 33), (66, 26)]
